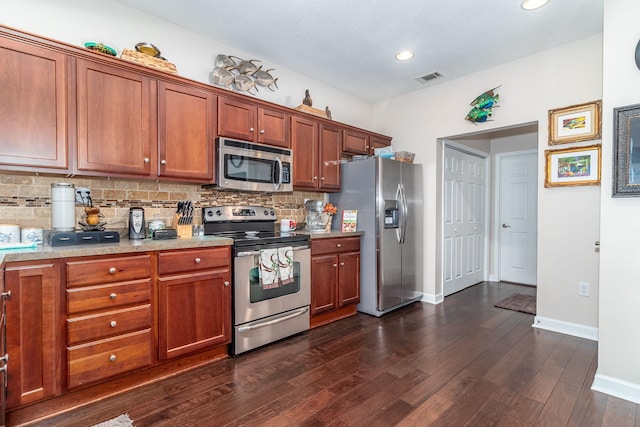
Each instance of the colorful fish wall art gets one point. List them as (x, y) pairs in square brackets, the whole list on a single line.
[(483, 106)]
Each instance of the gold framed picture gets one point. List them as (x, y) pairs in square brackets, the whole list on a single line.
[(573, 166), (575, 123)]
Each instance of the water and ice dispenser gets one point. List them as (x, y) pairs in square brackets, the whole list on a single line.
[(391, 214)]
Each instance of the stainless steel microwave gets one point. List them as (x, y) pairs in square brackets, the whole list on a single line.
[(248, 166)]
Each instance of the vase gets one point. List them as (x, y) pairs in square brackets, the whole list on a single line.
[(327, 227)]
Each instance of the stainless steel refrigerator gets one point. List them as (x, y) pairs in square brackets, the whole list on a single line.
[(388, 197)]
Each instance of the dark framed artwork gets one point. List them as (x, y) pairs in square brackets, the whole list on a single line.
[(626, 151)]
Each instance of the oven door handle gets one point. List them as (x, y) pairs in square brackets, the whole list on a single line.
[(297, 313), (252, 253)]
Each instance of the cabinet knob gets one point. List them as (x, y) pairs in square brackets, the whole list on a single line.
[(113, 324), (338, 245), (5, 295), (226, 283), (322, 179), (250, 129), (147, 160), (261, 131), (367, 147), (163, 162), (112, 270), (198, 260), (315, 177), (112, 358), (335, 265), (342, 264), (112, 296)]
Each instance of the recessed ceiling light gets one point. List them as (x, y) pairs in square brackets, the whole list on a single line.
[(404, 55), (533, 4)]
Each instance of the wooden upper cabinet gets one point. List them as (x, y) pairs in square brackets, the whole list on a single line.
[(376, 141), (186, 132), (249, 122), (34, 107), (329, 157), (355, 142), (304, 142), (273, 127), (237, 119), (116, 120)]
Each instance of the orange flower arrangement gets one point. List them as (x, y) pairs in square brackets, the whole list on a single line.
[(330, 209)]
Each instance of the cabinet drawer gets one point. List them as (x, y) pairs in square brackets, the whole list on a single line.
[(332, 246), (99, 360), (193, 260), (108, 296), (98, 326), (109, 270)]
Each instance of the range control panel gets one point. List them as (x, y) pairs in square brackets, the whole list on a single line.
[(238, 213)]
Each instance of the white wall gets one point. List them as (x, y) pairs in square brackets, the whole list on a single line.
[(619, 344), (109, 22), (563, 76)]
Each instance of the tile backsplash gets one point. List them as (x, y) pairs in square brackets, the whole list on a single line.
[(25, 199)]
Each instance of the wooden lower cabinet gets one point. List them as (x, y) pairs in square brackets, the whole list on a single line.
[(34, 333), (109, 317), (335, 278), (194, 312)]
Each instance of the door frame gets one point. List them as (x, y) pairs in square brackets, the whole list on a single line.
[(487, 206), (495, 221)]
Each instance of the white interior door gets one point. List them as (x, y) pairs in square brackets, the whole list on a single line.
[(464, 225), (518, 218)]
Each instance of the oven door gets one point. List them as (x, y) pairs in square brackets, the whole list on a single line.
[(252, 301), (253, 167)]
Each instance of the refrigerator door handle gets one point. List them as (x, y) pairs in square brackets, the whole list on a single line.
[(403, 214)]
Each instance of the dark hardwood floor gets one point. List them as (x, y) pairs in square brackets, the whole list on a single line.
[(460, 363)]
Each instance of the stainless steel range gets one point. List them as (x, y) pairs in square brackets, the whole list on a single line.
[(271, 274)]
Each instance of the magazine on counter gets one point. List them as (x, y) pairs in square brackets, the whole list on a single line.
[(349, 220)]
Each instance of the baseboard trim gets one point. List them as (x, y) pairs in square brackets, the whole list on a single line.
[(566, 328), (616, 387), (432, 298)]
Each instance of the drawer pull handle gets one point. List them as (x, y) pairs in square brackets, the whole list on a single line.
[(198, 260), (113, 324), (112, 270), (338, 245), (226, 283), (112, 296), (112, 358)]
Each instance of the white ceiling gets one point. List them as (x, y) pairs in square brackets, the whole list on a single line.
[(350, 44)]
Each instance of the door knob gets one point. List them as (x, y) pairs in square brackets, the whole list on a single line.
[(506, 226)]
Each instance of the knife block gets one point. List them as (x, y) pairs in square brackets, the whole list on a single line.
[(184, 230)]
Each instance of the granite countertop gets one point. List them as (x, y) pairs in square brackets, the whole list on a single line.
[(330, 234), (124, 246)]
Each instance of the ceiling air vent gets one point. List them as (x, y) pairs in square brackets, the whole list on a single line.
[(428, 77)]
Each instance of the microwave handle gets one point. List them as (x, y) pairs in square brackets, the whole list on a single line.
[(279, 181)]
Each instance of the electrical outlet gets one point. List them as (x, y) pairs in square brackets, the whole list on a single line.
[(83, 196), (583, 289)]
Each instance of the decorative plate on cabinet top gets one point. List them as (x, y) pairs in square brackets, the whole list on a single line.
[(100, 47)]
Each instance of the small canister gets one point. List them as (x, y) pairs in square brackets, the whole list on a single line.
[(156, 224), (31, 235)]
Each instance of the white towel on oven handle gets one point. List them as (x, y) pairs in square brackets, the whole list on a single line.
[(285, 264), (269, 271)]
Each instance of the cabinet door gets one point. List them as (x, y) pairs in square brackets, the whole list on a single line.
[(33, 110), (237, 119), (349, 281), (378, 142), (33, 333), (329, 166), (354, 142), (116, 121), (323, 283), (194, 312), (185, 132), (304, 142), (273, 127)]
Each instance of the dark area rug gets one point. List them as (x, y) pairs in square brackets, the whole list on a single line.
[(519, 302)]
